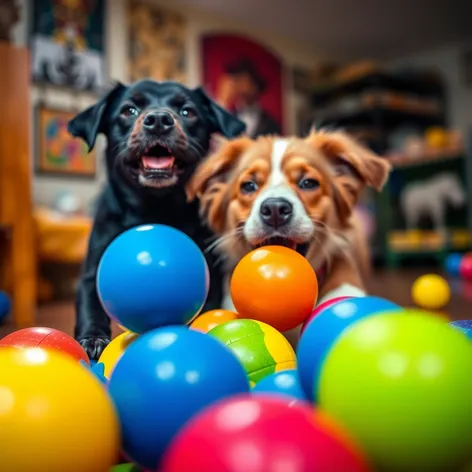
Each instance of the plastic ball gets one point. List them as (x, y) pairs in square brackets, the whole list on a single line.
[(463, 325), (466, 267), (401, 384), (98, 370), (261, 349), (114, 350), (152, 276), (320, 308), (324, 330), (163, 378), (46, 338), (5, 305), (284, 383), (54, 414), (259, 434), (431, 292), (275, 285), (209, 320), (452, 264)]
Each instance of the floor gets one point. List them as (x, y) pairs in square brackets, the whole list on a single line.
[(391, 285)]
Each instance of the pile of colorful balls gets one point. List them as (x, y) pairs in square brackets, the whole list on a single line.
[(369, 386)]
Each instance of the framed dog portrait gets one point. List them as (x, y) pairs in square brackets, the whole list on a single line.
[(67, 43), (157, 40), (246, 78), (57, 152)]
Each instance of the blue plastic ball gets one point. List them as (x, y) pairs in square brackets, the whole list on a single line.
[(163, 378), (152, 276), (463, 325), (285, 383), (5, 305), (320, 334), (452, 264)]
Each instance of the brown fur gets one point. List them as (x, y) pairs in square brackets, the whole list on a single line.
[(342, 167)]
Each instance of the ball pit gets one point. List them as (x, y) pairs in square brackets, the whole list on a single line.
[(163, 378), (156, 262), (323, 331), (261, 349), (275, 285), (393, 385), (245, 433), (54, 414), (401, 384), (46, 338)]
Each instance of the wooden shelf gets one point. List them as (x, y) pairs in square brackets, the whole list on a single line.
[(409, 162)]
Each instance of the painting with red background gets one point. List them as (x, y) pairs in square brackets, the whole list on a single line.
[(220, 50)]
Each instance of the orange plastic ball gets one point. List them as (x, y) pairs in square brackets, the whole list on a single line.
[(211, 319), (275, 285)]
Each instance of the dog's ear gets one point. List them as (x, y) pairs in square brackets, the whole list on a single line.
[(90, 122), (210, 181), (220, 120), (354, 166)]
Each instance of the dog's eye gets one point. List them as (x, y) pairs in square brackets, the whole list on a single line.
[(188, 112), (129, 110), (308, 184), (249, 187)]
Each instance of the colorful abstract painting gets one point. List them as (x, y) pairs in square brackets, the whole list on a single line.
[(58, 152)]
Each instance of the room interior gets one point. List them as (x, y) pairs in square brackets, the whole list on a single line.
[(408, 95)]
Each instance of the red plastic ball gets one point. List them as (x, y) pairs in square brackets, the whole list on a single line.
[(320, 308), (465, 268), (262, 433), (46, 338)]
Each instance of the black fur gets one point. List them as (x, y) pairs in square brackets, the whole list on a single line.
[(129, 199)]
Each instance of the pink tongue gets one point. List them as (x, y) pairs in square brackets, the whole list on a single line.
[(158, 162)]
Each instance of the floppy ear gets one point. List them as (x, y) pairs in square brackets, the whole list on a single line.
[(90, 122), (354, 166), (210, 181), (220, 120)]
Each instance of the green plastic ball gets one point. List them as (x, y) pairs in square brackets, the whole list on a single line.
[(261, 349), (402, 384)]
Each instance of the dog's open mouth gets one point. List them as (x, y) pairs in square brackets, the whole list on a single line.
[(158, 167), (301, 248)]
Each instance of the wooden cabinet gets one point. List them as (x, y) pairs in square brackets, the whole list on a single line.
[(18, 260)]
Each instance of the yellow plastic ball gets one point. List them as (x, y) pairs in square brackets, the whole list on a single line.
[(55, 416), (112, 353), (431, 292)]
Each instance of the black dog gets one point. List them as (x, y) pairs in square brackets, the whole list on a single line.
[(157, 133)]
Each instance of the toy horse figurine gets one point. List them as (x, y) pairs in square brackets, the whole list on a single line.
[(430, 198)]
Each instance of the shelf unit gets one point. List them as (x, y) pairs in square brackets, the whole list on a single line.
[(383, 102)]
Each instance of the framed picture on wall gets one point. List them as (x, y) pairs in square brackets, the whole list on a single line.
[(157, 43), (57, 152), (245, 77), (67, 43)]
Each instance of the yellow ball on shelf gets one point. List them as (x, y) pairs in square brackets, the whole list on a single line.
[(431, 292)]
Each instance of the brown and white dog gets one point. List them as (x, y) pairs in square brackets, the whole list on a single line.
[(294, 192)]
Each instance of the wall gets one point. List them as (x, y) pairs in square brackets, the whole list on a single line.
[(448, 60), (292, 53)]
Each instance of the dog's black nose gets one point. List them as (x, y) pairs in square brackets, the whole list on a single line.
[(158, 122), (276, 212)]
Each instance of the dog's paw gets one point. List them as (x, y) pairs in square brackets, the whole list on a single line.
[(94, 346)]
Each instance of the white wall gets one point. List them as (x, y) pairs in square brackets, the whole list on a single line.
[(459, 94), (292, 53)]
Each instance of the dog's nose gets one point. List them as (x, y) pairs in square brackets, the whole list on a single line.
[(276, 212), (158, 122)]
